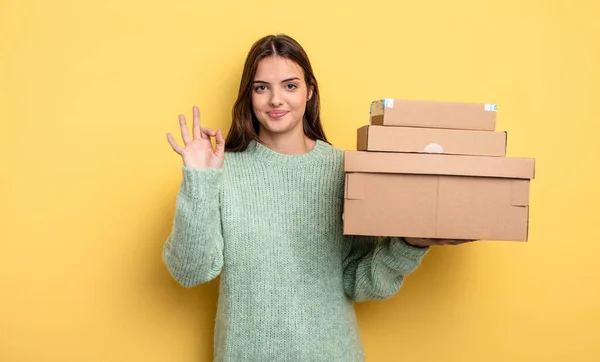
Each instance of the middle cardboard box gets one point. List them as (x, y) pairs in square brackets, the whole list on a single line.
[(431, 140)]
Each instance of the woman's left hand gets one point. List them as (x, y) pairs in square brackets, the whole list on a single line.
[(424, 242)]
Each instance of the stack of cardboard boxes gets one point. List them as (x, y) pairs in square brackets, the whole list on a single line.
[(435, 170)]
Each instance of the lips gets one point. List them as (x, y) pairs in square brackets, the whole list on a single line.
[(277, 114)]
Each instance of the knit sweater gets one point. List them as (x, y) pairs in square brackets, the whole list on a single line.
[(270, 225)]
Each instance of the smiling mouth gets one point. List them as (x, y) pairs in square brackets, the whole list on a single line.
[(277, 114)]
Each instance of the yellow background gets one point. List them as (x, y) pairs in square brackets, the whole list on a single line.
[(88, 91)]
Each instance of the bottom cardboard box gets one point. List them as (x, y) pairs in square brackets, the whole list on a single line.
[(487, 204)]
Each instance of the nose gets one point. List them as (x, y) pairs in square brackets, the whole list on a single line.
[(276, 99)]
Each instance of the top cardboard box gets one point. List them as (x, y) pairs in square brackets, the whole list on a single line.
[(433, 114)]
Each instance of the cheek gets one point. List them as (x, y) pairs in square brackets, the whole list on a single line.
[(256, 103), (299, 101)]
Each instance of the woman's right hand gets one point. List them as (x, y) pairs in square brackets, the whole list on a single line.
[(198, 151)]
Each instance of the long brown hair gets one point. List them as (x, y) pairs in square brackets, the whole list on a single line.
[(245, 126)]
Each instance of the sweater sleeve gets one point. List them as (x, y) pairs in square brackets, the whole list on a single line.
[(375, 268), (193, 252)]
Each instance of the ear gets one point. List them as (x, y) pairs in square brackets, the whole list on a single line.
[(310, 93)]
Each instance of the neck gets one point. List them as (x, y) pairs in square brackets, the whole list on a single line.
[(293, 143)]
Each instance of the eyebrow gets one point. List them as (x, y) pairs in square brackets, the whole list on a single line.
[(283, 81)]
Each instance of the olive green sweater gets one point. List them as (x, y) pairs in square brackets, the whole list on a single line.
[(270, 225)]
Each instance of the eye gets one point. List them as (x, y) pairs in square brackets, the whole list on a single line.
[(260, 88), (291, 86)]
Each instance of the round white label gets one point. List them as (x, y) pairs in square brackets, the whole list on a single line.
[(434, 148)]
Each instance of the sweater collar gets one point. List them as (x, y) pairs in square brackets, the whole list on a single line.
[(266, 154)]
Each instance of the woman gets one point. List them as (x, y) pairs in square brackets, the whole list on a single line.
[(263, 210)]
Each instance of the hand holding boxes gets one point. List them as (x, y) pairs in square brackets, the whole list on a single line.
[(435, 170)]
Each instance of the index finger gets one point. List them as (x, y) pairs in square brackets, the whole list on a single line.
[(196, 124)]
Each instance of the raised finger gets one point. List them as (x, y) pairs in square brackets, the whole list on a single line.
[(196, 127), (174, 144), (184, 131), (220, 149)]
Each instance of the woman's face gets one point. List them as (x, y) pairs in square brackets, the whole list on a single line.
[(279, 96)]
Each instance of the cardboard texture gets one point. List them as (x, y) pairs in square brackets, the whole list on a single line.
[(416, 163), (437, 196), (430, 140), (436, 207), (432, 114), (435, 170)]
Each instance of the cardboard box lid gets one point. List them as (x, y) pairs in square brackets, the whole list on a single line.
[(433, 114), (431, 140), (439, 164)]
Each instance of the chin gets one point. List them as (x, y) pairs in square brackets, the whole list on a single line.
[(278, 129)]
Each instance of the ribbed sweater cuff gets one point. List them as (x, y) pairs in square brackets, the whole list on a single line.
[(411, 252)]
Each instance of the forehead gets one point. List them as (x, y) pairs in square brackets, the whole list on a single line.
[(278, 68)]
